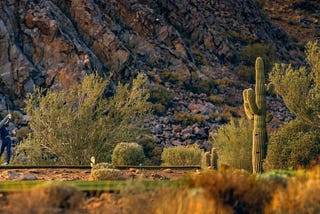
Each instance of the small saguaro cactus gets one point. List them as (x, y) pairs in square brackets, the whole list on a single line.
[(255, 109), (214, 158)]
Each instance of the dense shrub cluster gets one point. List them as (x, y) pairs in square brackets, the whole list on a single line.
[(294, 145), (127, 154), (233, 142), (182, 156)]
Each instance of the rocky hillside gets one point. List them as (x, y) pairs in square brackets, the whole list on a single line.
[(191, 48)]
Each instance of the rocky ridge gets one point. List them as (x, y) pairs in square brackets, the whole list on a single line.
[(53, 43)]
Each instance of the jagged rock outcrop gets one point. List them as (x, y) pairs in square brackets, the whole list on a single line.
[(52, 43)]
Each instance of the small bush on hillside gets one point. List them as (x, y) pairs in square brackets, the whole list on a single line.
[(127, 154), (48, 198), (182, 156), (233, 142), (176, 77), (250, 52), (160, 97), (187, 119), (294, 145)]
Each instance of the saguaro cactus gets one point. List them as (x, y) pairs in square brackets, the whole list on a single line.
[(255, 109)]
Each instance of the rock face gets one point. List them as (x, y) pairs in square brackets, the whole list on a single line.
[(53, 43)]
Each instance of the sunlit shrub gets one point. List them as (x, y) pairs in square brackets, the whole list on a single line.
[(106, 174), (233, 142), (127, 154), (182, 156), (294, 145)]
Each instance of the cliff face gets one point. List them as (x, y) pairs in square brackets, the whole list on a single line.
[(52, 43)]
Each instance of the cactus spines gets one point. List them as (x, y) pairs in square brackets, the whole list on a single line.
[(205, 160), (255, 109)]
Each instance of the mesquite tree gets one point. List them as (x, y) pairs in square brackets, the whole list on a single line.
[(255, 109)]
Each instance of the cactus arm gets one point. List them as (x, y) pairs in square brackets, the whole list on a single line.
[(249, 98), (270, 89), (248, 111)]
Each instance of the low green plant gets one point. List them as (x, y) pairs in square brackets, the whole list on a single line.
[(160, 97), (186, 118), (233, 142), (106, 174), (176, 77), (151, 150), (127, 154), (182, 156)]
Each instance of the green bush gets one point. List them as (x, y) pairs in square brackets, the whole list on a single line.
[(160, 97), (106, 174), (182, 156), (186, 118), (233, 142), (151, 150), (127, 154), (70, 126), (294, 145)]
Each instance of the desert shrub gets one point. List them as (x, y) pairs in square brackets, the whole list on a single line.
[(70, 126), (198, 85), (233, 188), (127, 154), (182, 156), (151, 150), (103, 165), (106, 174), (176, 77), (22, 133), (160, 97), (248, 55), (187, 119), (233, 142), (47, 198), (304, 101), (188, 201), (294, 145), (300, 196)]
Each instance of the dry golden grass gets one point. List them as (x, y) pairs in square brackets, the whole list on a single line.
[(50, 198), (302, 195)]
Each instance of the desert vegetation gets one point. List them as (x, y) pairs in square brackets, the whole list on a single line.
[(246, 171)]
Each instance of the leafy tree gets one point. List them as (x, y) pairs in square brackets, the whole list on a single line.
[(300, 88), (70, 126), (233, 142)]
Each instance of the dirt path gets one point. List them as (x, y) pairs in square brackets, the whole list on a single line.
[(84, 174)]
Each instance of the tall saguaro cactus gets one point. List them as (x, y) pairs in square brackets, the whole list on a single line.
[(255, 109)]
